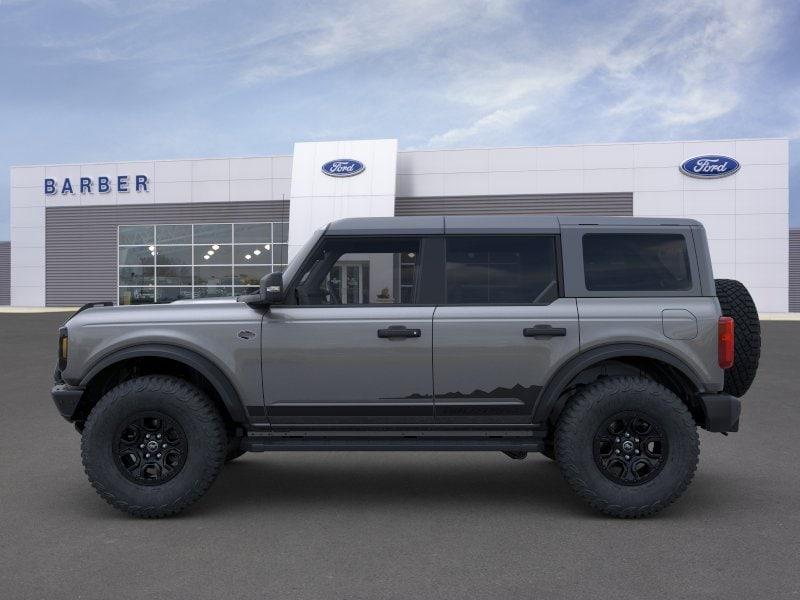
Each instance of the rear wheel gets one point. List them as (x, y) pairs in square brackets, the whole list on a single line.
[(627, 445), (153, 445)]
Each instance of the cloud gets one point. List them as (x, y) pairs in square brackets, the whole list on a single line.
[(147, 31), (672, 64), (692, 70), (497, 121), (299, 43)]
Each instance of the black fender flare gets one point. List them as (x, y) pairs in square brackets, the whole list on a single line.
[(548, 406), (219, 381)]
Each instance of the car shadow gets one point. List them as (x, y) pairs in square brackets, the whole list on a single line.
[(441, 480), (388, 480), (288, 482)]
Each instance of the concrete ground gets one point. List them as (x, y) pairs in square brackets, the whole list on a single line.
[(396, 525)]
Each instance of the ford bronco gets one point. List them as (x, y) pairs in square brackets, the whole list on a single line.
[(602, 343)]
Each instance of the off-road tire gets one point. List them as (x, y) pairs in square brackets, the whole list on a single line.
[(735, 301), (585, 414), (187, 406)]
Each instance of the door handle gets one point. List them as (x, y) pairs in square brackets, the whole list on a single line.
[(399, 331), (544, 331)]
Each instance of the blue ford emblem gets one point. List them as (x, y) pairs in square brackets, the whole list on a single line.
[(343, 167), (710, 166)]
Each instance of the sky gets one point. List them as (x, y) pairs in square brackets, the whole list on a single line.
[(98, 80)]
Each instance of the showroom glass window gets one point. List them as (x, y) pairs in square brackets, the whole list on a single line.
[(501, 270), (162, 263), (360, 271), (636, 262)]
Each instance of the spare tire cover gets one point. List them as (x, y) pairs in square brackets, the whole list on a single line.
[(736, 302)]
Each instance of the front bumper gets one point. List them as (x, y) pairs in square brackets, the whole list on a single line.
[(67, 399), (721, 412)]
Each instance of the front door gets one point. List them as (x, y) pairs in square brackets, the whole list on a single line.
[(355, 346), (502, 329)]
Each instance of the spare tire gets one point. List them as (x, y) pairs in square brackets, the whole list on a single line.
[(735, 301)]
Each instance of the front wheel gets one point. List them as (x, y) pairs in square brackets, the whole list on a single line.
[(627, 445), (153, 445)]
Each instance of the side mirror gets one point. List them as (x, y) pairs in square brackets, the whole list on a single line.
[(270, 291)]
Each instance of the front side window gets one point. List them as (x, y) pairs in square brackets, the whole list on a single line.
[(501, 270), (360, 271), (636, 262)]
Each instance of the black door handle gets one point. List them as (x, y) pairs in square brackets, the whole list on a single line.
[(544, 331), (399, 331)]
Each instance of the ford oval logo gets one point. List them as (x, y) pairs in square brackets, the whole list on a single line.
[(343, 167), (710, 166)]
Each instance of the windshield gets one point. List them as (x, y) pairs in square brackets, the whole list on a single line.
[(297, 259)]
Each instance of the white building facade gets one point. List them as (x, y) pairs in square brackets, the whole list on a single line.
[(146, 231)]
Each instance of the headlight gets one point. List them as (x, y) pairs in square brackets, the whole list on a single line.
[(63, 348)]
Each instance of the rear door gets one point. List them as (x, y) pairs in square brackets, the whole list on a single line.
[(502, 328)]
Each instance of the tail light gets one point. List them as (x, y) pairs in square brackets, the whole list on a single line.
[(725, 342), (63, 348)]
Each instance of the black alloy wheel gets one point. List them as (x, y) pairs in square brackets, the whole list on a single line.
[(630, 448), (151, 448)]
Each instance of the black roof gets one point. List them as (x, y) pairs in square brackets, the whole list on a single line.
[(430, 225)]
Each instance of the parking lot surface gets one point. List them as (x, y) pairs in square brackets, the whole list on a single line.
[(396, 525)]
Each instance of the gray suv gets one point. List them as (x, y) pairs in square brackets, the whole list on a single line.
[(602, 343)]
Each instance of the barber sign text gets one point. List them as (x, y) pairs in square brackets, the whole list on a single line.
[(97, 185)]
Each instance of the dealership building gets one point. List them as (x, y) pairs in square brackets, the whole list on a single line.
[(160, 230)]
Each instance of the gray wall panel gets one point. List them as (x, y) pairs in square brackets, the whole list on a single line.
[(550, 204), (5, 273), (794, 270), (81, 241)]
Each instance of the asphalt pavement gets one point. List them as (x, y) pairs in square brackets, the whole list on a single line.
[(396, 525)]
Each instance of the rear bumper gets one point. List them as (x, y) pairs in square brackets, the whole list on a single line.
[(67, 398), (721, 412)]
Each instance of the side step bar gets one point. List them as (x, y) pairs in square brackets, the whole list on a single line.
[(265, 444)]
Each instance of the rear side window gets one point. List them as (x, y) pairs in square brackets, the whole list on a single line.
[(501, 270), (636, 262)]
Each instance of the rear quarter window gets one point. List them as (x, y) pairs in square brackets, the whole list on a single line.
[(637, 262)]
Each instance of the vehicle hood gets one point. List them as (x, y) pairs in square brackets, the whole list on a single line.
[(180, 310)]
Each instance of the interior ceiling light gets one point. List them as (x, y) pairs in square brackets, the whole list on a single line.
[(247, 257), (206, 257), (152, 253), (211, 253), (151, 248), (215, 247), (256, 251), (266, 246)]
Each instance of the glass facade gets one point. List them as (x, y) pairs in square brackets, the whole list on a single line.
[(162, 263)]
